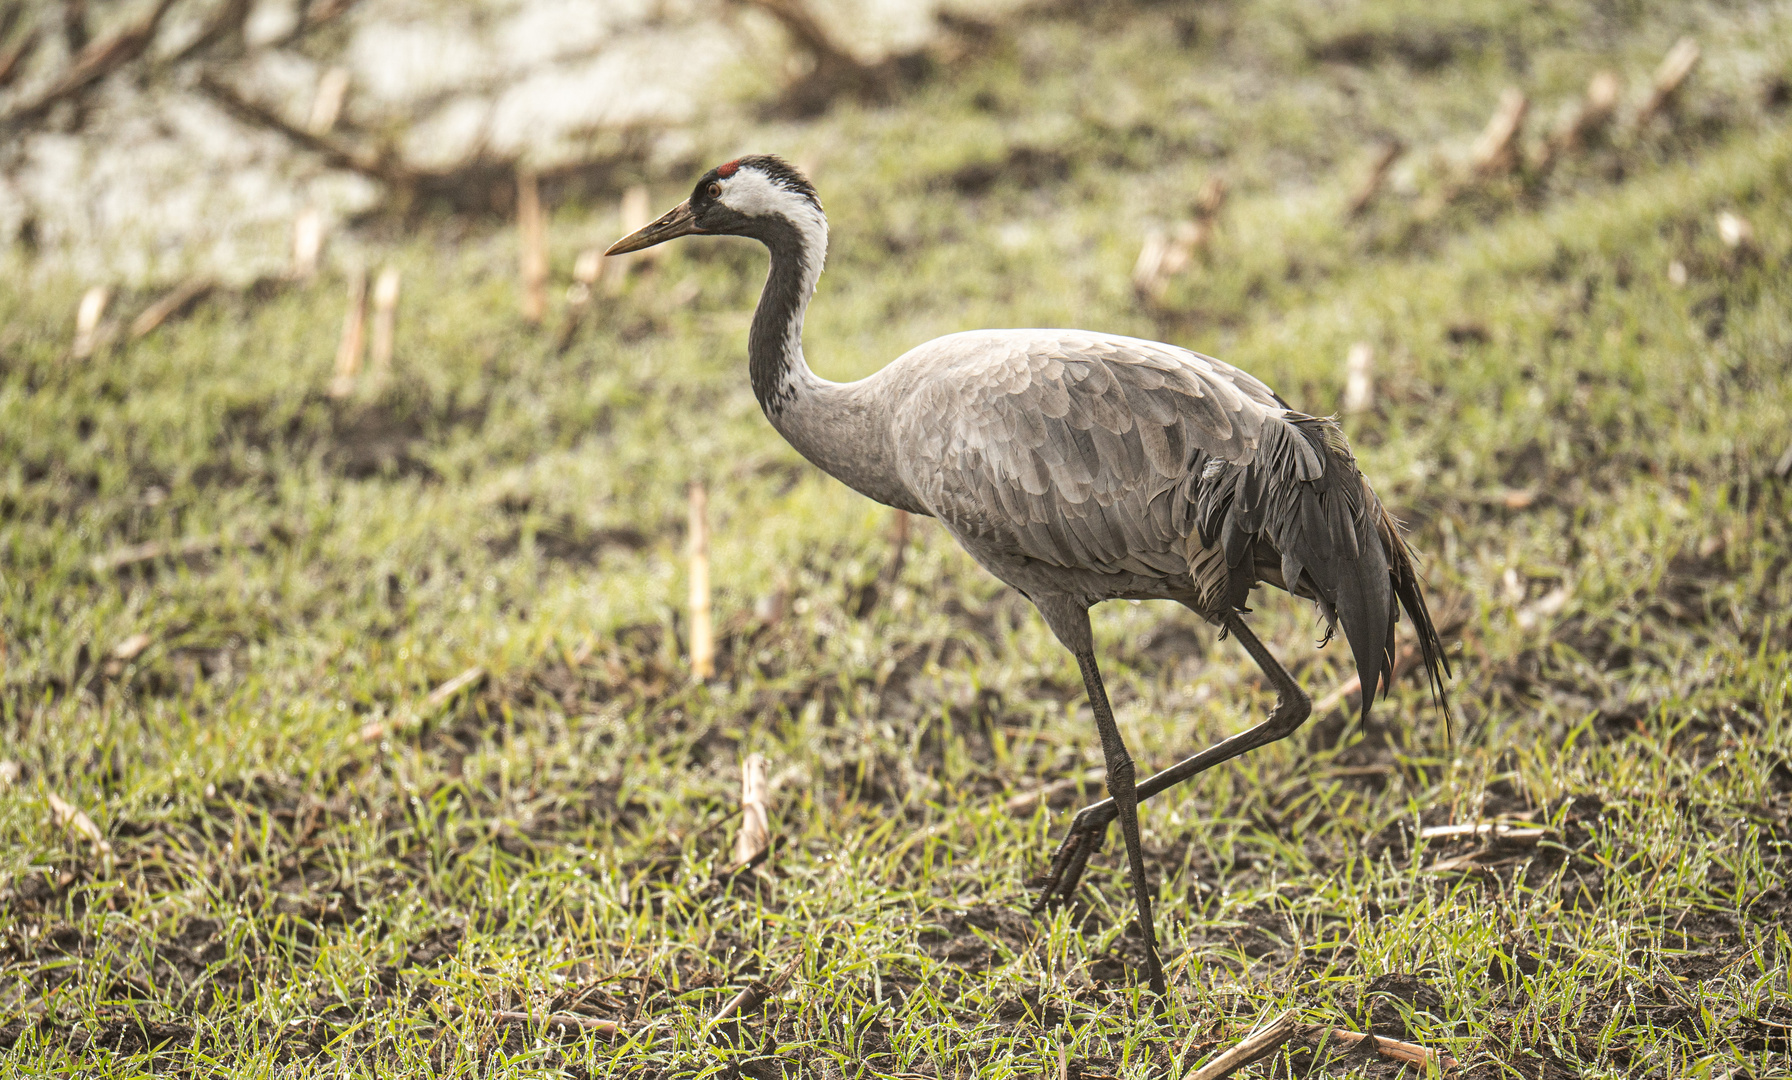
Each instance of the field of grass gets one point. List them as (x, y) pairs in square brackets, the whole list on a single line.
[(308, 868)]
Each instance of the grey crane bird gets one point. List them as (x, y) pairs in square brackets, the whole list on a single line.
[(1081, 467)]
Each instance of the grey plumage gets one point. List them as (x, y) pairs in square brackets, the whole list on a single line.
[(1082, 467)]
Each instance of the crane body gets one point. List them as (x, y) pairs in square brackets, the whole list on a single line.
[(1080, 467)]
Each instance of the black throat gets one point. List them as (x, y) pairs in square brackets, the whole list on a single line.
[(774, 343)]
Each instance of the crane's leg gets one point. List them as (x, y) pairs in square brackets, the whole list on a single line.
[(1125, 803), (1090, 826)]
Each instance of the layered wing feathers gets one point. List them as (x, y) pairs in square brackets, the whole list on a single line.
[(1122, 456)]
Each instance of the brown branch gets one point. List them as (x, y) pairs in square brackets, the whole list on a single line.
[(837, 71), (335, 156), (91, 65), (311, 17), (12, 61), (74, 25), (228, 19)]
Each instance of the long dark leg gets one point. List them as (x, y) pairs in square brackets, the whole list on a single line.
[(1125, 801), (1090, 826)]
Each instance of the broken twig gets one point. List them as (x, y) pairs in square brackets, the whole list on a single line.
[(1257, 1045)]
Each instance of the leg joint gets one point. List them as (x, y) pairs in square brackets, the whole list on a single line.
[(1121, 775), (1291, 712)]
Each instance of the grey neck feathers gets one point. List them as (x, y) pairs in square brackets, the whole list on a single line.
[(775, 343), (842, 427)]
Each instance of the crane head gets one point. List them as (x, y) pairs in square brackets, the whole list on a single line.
[(759, 196)]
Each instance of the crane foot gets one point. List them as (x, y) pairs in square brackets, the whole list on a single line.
[(1088, 831)]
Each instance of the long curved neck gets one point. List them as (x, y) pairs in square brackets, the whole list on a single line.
[(775, 344), (842, 427)]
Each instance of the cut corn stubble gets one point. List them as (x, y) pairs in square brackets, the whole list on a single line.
[(354, 330), (703, 655)]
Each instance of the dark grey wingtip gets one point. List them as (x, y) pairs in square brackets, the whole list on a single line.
[(1365, 604)]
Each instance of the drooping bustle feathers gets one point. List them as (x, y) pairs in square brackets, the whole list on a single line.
[(1300, 511)]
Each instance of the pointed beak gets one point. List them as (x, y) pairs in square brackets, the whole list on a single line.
[(676, 222)]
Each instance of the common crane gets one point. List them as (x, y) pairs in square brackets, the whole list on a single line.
[(1080, 467)]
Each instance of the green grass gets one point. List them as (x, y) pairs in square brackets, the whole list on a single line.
[(281, 897)]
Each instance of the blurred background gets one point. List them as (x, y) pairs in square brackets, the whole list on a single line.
[(391, 588)]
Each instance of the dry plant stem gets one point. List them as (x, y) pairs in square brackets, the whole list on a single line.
[(354, 332), (900, 527), (532, 236), (1675, 67), (1027, 800), (633, 212), (437, 698), (75, 820), (446, 692), (307, 242), (585, 1023), (174, 303), (754, 994), (1378, 174), (326, 104), (1502, 829), (87, 321), (1253, 1047), (121, 558), (1394, 1049), (585, 272), (1495, 152), (385, 322), (1594, 112), (754, 837), (1359, 386), (703, 662)]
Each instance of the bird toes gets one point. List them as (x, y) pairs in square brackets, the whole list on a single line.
[(1059, 883)]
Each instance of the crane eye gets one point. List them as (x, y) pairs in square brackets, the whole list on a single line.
[(714, 191)]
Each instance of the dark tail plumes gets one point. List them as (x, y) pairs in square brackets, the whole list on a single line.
[(1302, 496)]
